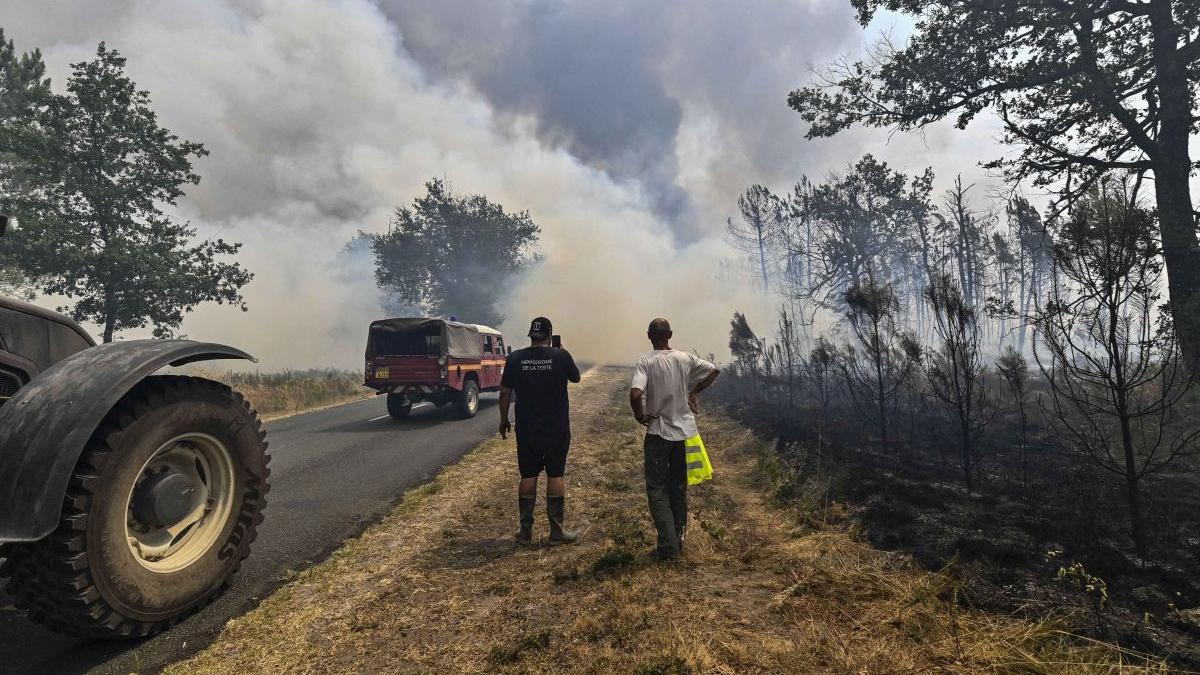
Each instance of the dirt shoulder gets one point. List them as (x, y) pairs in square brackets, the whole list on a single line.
[(439, 585)]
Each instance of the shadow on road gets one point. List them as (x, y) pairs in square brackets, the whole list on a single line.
[(55, 653), (420, 418)]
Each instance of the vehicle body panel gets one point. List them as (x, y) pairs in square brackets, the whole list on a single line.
[(438, 368), (15, 372), (406, 369), (44, 427), (492, 363), (38, 336)]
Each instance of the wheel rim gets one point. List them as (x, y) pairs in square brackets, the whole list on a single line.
[(180, 502), (472, 399)]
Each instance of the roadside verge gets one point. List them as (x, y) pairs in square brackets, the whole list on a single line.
[(439, 585), (292, 392)]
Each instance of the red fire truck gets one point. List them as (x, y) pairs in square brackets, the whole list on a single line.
[(426, 359)]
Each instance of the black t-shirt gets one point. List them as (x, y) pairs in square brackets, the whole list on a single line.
[(538, 377)]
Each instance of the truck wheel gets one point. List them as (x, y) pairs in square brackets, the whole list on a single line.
[(398, 406), (468, 400), (161, 509)]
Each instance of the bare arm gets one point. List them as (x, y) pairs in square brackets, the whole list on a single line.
[(701, 386), (505, 399), (706, 382), (637, 404), (572, 369)]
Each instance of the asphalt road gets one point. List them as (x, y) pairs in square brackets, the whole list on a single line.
[(333, 472)]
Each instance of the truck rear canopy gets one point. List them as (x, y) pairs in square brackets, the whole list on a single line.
[(424, 337)]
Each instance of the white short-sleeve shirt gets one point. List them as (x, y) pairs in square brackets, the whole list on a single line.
[(666, 376)]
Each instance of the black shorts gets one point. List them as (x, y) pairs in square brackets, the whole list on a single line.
[(537, 453)]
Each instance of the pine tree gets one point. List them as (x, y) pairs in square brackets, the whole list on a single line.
[(1081, 87)]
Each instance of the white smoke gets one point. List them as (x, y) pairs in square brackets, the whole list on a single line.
[(320, 122)]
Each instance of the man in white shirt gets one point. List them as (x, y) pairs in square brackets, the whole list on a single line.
[(663, 398)]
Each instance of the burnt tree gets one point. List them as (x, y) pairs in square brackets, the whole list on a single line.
[(757, 232), (1082, 87), (955, 369), (875, 379), (1118, 385)]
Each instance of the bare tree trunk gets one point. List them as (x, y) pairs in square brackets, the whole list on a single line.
[(110, 321), (1181, 254), (1024, 448), (1022, 300), (1136, 524), (1172, 168), (965, 432), (881, 398), (762, 259)]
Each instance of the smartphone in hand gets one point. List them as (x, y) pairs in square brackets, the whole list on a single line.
[(556, 341)]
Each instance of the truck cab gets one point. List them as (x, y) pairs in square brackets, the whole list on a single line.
[(31, 340), (413, 359)]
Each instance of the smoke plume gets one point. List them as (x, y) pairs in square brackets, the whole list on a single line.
[(626, 128)]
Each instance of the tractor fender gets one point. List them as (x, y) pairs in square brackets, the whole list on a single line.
[(44, 428)]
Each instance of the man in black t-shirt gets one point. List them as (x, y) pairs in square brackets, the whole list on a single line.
[(539, 375)]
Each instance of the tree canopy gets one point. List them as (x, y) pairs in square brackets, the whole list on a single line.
[(23, 81), (87, 174), (452, 255), (23, 84)]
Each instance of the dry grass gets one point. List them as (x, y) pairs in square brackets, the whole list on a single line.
[(440, 587), (276, 395)]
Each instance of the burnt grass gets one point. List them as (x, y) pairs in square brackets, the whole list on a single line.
[(1013, 545)]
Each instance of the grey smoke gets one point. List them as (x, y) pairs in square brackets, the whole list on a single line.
[(610, 80), (627, 129)]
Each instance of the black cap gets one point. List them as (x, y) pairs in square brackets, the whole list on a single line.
[(540, 328)]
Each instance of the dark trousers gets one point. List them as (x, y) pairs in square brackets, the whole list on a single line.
[(666, 490)]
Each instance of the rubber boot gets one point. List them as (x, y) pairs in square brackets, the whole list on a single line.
[(525, 534), (555, 506)]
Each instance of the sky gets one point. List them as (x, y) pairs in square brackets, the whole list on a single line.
[(626, 128)]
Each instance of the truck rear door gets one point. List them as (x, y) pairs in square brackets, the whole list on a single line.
[(411, 357), (407, 369)]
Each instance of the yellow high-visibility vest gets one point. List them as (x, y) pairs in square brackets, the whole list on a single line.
[(699, 469)]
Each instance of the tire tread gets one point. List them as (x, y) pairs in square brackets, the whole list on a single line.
[(51, 579)]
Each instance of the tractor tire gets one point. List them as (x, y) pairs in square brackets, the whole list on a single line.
[(398, 406), (468, 400), (160, 512)]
